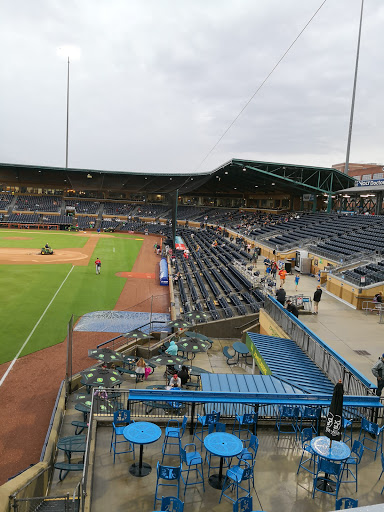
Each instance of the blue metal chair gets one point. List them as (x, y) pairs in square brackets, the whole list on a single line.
[(353, 460), (382, 470), (246, 420), (287, 417), (173, 432), (249, 452), (169, 474), (171, 504), (191, 457), (204, 422), (243, 504), (330, 469), (120, 420), (347, 424), (308, 453), (345, 503), (372, 429), (310, 415), (237, 475)]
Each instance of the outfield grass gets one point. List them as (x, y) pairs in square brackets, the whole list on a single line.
[(37, 239), (30, 288)]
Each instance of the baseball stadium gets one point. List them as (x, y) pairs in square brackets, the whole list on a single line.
[(103, 272)]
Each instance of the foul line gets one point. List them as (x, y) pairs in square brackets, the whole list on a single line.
[(33, 330)]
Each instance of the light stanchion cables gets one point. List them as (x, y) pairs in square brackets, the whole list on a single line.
[(260, 86)]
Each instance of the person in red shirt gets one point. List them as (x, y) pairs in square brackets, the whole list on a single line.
[(98, 266)]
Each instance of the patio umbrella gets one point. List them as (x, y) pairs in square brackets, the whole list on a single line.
[(100, 377), (179, 324), (335, 414), (105, 354), (197, 316), (188, 344), (101, 405), (165, 359), (192, 334), (136, 333)]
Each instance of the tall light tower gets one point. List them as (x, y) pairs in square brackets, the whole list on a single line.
[(74, 53), (346, 168)]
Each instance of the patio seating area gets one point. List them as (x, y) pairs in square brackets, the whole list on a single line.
[(221, 457)]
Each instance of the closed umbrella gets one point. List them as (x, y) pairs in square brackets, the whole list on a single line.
[(334, 419), (105, 354), (136, 333)]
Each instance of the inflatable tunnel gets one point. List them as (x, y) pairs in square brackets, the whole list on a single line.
[(164, 281)]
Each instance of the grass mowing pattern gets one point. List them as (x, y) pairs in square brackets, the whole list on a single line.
[(31, 287), (37, 239)]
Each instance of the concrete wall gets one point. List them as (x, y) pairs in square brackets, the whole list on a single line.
[(269, 327)]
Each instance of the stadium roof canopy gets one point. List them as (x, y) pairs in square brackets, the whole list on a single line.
[(235, 177)]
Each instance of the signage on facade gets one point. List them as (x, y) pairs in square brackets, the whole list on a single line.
[(370, 183)]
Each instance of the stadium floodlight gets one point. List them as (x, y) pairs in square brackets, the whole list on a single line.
[(69, 52)]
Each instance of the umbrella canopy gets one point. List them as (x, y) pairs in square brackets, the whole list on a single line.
[(165, 359), (197, 316), (188, 344), (101, 405), (179, 324), (192, 334), (136, 333), (334, 418), (100, 377), (105, 354)]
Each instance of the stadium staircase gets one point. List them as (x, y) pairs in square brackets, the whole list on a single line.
[(12, 204)]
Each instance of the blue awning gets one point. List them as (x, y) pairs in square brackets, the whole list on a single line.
[(282, 358)]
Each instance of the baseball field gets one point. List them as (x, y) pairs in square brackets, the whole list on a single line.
[(40, 292)]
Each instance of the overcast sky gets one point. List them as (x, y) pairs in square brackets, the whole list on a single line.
[(159, 81)]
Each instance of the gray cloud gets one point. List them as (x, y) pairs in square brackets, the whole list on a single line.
[(158, 82)]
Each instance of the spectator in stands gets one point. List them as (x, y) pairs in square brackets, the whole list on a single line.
[(273, 269), (317, 299), (172, 349), (378, 297), (280, 295), (183, 375), (175, 381), (177, 277), (292, 308), (140, 370)]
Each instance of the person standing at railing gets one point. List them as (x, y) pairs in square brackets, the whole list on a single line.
[(378, 372)]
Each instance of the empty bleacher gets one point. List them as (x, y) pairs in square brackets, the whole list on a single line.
[(91, 207), (5, 201), (38, 203)]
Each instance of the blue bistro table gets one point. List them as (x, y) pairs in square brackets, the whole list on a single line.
[(338, 452), (141, 433), (72, 444), (240, 348), (222, 445)]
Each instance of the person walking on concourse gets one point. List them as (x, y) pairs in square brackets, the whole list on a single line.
[(317, 299)]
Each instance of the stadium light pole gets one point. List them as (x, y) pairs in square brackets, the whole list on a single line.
[(346, 168), (74, 53)]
